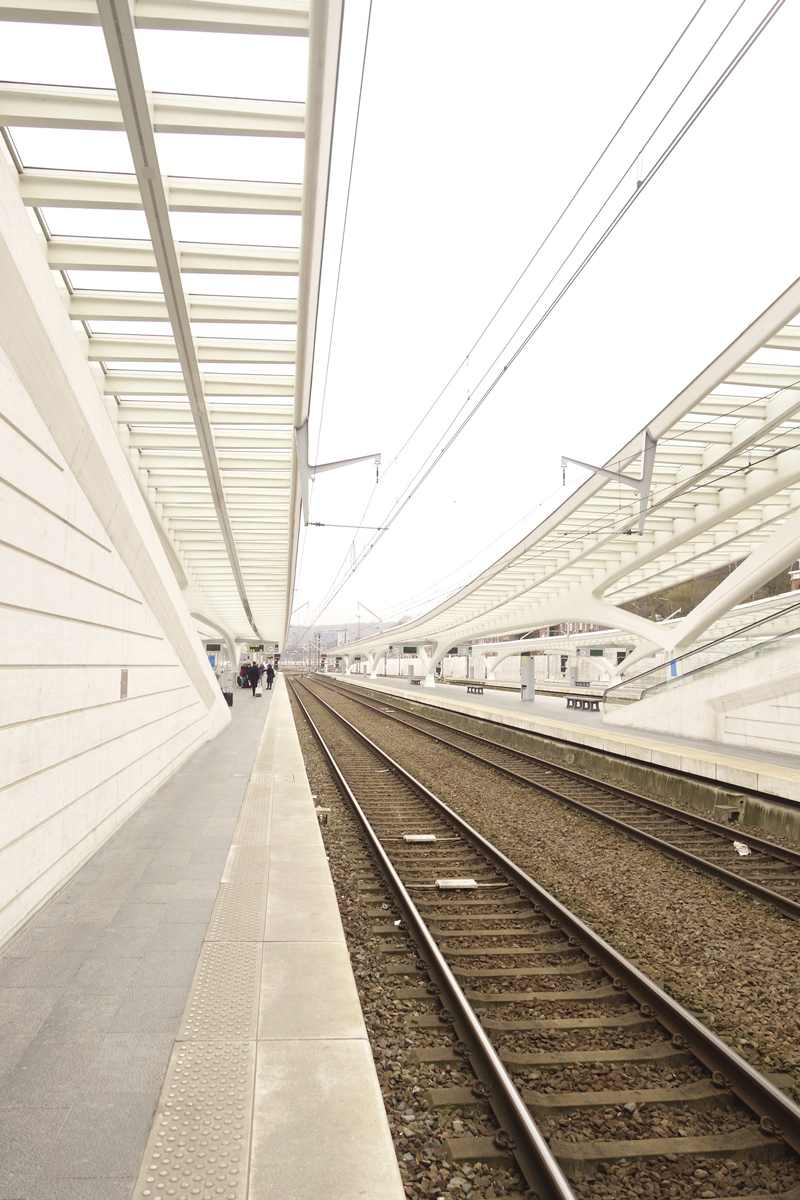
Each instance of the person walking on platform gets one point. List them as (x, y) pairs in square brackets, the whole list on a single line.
[(254, 677), (270, 674)]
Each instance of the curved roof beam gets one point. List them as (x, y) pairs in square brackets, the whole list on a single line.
[(285, 17), (118, 31)]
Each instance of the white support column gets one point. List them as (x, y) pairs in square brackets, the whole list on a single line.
[(480, 670), (501, 656), (224, 632), (437, 654), (375, 660), (771, 557)]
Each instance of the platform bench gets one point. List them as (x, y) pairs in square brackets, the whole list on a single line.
[(589, 703), (417, 681), (475, 688)]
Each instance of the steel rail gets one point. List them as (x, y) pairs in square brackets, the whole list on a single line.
[(778, 1115), (527, 1143), (789, 907)]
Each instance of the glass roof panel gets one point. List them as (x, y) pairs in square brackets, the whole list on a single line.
[(269, 286), (67, 55), (116, 281), (74, 149), (248, 368), (244, 229), (136, 399), (246, 65), (143, 328), (272, 333), (273, 160), (256, 401), (119, 365), (96, 222), (776, 358)]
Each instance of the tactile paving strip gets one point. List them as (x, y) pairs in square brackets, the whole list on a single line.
[(240, 908), (199, 1146), (223, 999)]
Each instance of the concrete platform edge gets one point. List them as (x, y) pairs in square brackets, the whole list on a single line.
[(271, 1089), (727, 770)]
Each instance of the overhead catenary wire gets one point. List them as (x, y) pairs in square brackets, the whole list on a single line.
[(613, 523), (428, 466), (510, 292), (338, 277), (545, 240), (344, 234), (641, 185)]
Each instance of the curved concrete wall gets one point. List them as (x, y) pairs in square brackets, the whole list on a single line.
[(86, 592), (754, 702)]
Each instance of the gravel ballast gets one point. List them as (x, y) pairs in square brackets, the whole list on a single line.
[(727, 958), (568, 854)]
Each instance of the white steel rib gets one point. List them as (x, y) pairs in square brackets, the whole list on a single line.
[(724, 492), (207, 421)]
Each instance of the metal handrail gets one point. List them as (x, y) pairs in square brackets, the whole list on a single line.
[(706, 646)]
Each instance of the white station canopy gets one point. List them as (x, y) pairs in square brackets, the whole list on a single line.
[(723, 460), (185, 231)]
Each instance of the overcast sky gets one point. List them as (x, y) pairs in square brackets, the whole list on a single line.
[(477, 124)]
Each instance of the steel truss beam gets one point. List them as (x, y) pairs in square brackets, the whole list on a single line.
[(146, 439), (117, 23), (171, 383), (38, 106), (150, 306), (278, 17), (107, 254), (135, 348), (95, 189), (278, 416)]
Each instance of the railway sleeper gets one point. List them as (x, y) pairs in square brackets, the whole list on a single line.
[(656, 1052), (559, 948), (696, 1096), (581, 970), (478, 1149), (461, 1098), (525, 916), (443, 906), (629, 1020), (602, 995), (581, 1160)]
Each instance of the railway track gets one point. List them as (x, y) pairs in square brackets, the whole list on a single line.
[(583, 1061), (769, 873)]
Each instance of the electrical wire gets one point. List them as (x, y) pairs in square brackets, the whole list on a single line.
[(614, 522), (338, 278), (550, 232), (425, 470), (510, 292), (344, 236)]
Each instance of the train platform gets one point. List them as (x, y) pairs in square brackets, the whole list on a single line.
[(181, 1019), (756, 770)]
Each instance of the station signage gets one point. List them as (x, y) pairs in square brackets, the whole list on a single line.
[(409, 649), (256, 647), (213, 646)]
